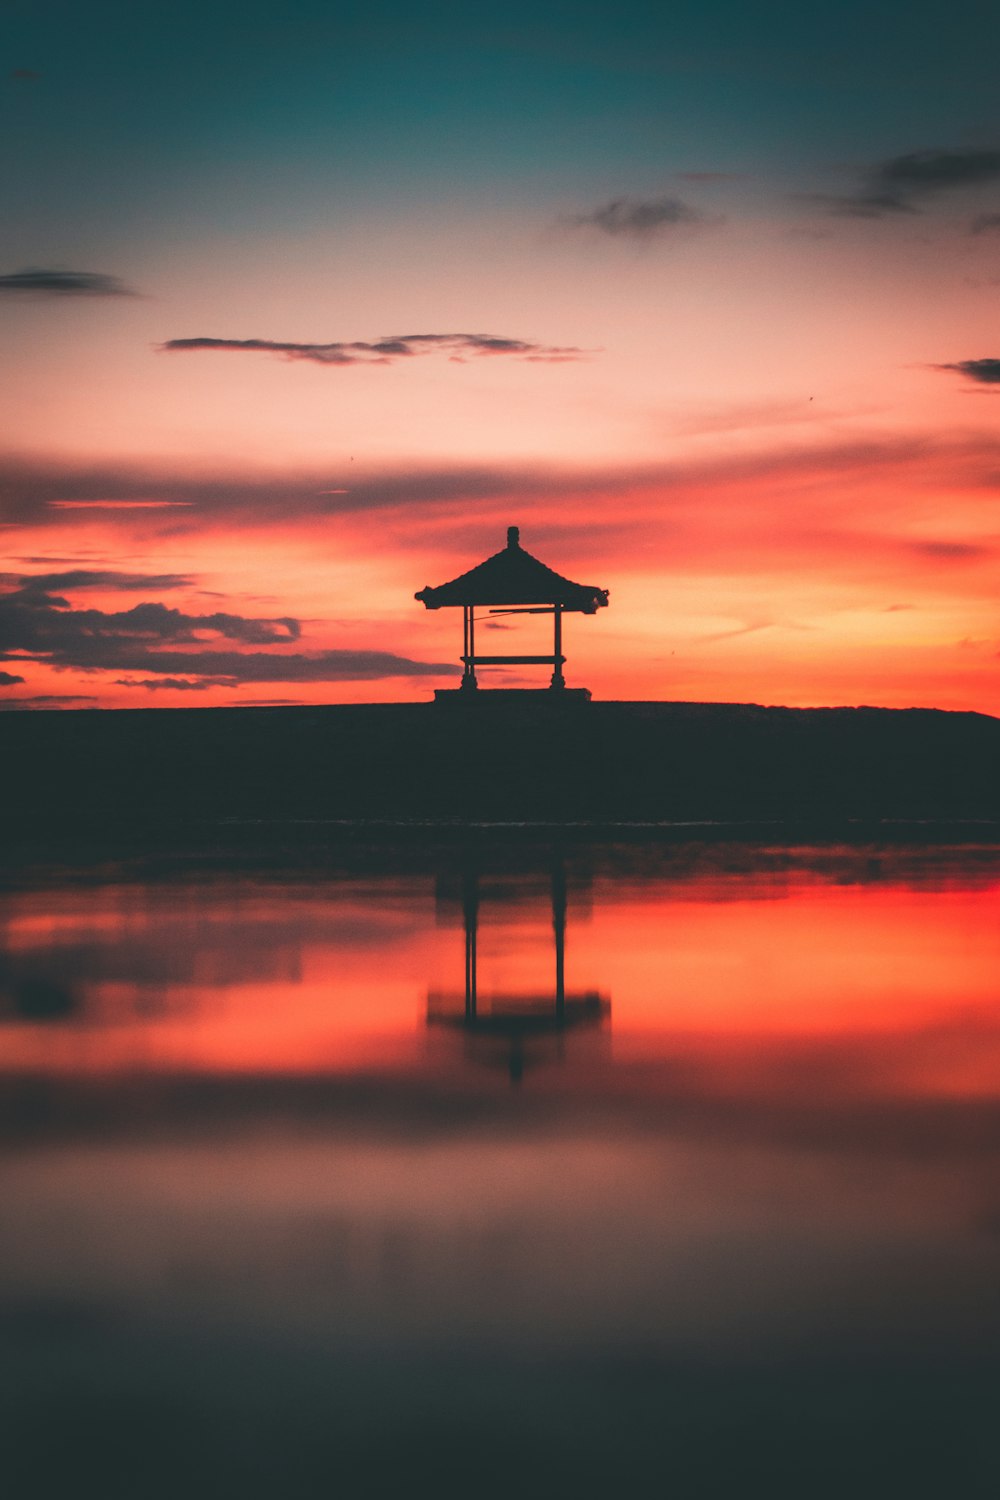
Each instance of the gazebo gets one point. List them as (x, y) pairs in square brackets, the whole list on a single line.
[(512, 582)]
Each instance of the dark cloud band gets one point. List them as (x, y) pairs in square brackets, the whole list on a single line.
[(982, 371), (90, 578), (901, 184), (230, 668), (63, 284), (458, 347), (41, 627)]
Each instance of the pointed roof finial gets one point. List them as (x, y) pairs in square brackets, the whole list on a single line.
[(513, 536)]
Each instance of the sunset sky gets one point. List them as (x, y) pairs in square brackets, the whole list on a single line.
[(303, 303)]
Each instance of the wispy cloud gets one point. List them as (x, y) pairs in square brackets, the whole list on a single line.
[(457, 346), (984, 224), (47, 283), (118, 504), (953, 551), (813, 505), (982, 371), (750, 628), (637, 218), (710, 176), (902, 184)]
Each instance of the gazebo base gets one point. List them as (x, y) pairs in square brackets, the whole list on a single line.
[(501, 698)]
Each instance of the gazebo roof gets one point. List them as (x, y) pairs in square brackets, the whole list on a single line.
[(513, 576)]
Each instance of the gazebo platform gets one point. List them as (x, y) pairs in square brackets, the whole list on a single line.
[(545, 700)]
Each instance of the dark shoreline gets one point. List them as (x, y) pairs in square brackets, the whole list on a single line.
[(410, 772)]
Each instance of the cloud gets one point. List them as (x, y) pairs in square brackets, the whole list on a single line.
[(118, 504), (41, 627), (984, 224), (387, 351), (922, 172), (8, 679), (902, 183), (953, 551), (47, 700), (638, 218), (711, 176), (175, 684), (32, 620), (230, 668), (982, 371), (64, 284), (750, 628), (88, 578), (246, 498), (808, 506), (735, 416)]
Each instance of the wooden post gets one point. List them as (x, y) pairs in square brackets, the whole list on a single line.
[(558, 680), (468, 646)]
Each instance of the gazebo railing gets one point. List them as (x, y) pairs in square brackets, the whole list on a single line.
[(472, 659), (514, 661)]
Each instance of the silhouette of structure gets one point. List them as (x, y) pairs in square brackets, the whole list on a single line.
[(512, 582), (516, 1021)]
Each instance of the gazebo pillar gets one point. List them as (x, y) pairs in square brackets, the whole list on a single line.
[(558, 680), (469, 649)]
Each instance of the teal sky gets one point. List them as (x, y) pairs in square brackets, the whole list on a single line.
[(145, 116)]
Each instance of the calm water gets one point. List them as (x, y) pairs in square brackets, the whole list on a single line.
[(503, 1173)]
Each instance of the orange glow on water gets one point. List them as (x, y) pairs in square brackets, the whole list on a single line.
[(739, 974)]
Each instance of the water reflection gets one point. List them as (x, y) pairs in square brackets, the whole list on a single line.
[(519, 1028), (266, 1220)]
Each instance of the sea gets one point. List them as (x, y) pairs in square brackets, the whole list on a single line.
[(496, 1164)]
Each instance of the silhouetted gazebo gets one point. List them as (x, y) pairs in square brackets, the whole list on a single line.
[(512, 582)]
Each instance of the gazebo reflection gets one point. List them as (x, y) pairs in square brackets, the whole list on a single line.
[(511, 1028)]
